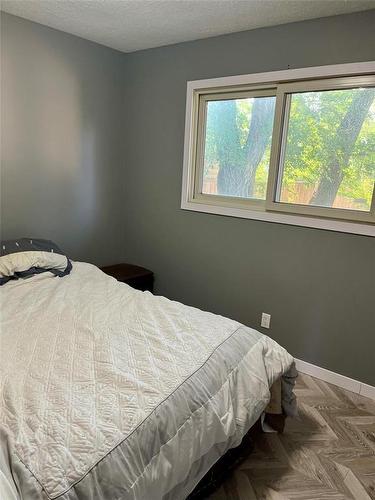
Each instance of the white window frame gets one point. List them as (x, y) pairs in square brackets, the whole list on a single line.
[(197, 174), (269, 211)]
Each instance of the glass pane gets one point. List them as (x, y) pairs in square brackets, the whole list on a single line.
[(329, 158), (237, 147)]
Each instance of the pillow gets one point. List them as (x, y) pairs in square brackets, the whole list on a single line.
[(26, 257)]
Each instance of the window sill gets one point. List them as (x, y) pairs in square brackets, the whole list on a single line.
[(283, 218)]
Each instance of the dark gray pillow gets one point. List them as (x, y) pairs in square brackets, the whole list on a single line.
[(26, 257)]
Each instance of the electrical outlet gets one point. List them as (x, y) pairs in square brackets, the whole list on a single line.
[(266, 320)]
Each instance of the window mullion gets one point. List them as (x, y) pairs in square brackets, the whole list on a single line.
[(276, 144), (372, 209)]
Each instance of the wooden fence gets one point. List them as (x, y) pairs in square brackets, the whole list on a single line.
[(300, 192)]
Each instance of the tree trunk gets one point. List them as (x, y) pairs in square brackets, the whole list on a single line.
[(236, 175), (346, 137), (229, 179), (259, 134)]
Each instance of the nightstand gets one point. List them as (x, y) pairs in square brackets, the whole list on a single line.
[(135, 276)]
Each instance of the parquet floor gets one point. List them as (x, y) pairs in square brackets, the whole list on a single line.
[(328, 453)]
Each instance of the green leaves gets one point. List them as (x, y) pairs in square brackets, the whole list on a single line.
[(330, 149)]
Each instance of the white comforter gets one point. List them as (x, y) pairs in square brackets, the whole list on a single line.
[(111, 393)]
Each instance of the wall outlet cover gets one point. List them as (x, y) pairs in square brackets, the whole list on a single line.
[(266, 320)]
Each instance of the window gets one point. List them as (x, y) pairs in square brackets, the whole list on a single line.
[(298, 151), (236, 144)]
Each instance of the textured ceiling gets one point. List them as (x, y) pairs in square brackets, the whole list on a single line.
[(130, 25)]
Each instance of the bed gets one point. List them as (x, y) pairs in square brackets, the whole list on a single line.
[(111, 393)]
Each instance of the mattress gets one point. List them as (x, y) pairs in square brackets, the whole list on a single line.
[(112, 393)]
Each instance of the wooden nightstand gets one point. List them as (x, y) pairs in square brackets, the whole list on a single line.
[(135, 276)]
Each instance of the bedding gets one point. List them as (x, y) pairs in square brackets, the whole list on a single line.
[(26, 257), (112, 393)]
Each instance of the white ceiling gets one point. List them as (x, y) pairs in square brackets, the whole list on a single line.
[(130, 25)]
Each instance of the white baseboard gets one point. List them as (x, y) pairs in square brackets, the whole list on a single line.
[(336, 379), (368, 391)]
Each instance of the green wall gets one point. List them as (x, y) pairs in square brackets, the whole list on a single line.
[(318, 285), (61, 140)]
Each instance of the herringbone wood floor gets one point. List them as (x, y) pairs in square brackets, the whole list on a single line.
[(328, 453)]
